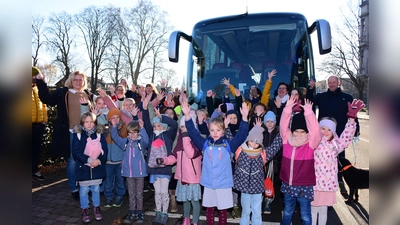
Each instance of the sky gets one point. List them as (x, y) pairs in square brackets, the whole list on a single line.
[(184, 14)]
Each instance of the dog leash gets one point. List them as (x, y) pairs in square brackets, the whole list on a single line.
[(355, 141)]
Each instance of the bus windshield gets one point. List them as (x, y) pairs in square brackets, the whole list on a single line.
[(244, 48)]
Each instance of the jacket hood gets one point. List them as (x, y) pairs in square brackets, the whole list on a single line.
[(79, 128)]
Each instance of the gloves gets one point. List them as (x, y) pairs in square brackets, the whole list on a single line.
[(297, 107), (160, 161), (354, 108)]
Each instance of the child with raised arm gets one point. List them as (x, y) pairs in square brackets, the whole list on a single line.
[(249, 174), (161, 141), (326, 165), (216, 176), (300, 138), (89, 171), (188, 172), (133, 166)]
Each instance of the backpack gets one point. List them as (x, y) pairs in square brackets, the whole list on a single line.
[(157, 150)]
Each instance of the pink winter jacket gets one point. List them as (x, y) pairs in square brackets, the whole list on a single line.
[(297, 167), (325, 157), (186, 171)]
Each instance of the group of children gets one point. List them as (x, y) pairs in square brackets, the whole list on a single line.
[(137, 145)]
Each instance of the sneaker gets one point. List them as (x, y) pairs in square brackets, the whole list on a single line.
[(75, 195), (236, 212), (108, 203), (118, 202), (38, 176), (129, 218), (267, 206), (140, 218), (156, 220), (145, 188), (97, 213), (85, 216), (164, 218)]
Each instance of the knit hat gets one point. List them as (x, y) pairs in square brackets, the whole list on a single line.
[(112, 112), (270, 116), (35, 71), (298, 122), (194, 106), (256, 135), (158, 120), (329, 124)]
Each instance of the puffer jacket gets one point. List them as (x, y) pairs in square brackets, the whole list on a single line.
[(39, 110)]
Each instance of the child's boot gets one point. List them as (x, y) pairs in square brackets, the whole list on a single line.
[(157, 219), (164, 218), (130, 217), (97, 213), (267, 206), (140, 217), (174, 206), (85, 216)]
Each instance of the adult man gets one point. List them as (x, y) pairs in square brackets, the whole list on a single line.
[(333, 103)]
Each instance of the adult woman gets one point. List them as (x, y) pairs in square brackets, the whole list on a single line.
[(68, 115)]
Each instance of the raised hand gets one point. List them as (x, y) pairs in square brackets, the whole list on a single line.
[(258, 122), (244, 110), (354, 108), (278, 101), (209, 93), (145, 102), (157, 113), (161, 95), (83, 101), (185, 109), (272, 74), (227, 120), (307, 104), (290, 102), (237, 92), (102, 92), (226, 81), (135, 110), (141, 123), (94, 110)]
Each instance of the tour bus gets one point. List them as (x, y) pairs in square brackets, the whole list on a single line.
[(245, 47)]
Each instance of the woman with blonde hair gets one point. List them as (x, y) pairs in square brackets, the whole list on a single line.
[(67, 100)]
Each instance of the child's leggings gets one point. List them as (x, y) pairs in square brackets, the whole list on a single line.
[(196, 210), (321, 212), (161, 195), (222, 218)]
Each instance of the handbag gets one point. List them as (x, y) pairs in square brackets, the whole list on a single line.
[(269, 181)]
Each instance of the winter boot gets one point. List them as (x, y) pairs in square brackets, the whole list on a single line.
[(267, 206), (157, 220), (173, 206)]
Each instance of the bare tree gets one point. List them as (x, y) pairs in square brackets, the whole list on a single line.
[(344, 58), (37, 33), (60, 39), (50, 72), (145, 29), (97, 27)]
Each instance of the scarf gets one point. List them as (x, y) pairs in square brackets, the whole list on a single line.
[(89, 132), (297, 141)]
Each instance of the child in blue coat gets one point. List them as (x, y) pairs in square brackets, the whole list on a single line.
[(216, 176), (89, 172), (133, 165)]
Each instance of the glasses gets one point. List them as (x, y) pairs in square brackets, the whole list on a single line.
[(77, 80), (282, 88), (134, 132)]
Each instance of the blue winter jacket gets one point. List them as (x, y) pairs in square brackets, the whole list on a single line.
[(82, 171), (133, 162), (217, 168)]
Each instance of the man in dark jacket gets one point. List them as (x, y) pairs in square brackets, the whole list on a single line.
[(333, 103)]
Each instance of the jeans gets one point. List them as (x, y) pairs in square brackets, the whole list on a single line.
[(290, 204), (84, 195), (37, 137), (113, 176), (251, 203), (71, 165)]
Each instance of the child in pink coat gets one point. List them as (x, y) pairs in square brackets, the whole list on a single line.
[(188, 173), (325, 157), (300, 137)]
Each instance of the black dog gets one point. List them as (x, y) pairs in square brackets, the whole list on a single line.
[(355, 178)]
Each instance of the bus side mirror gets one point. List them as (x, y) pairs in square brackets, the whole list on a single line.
[(173, 44)]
